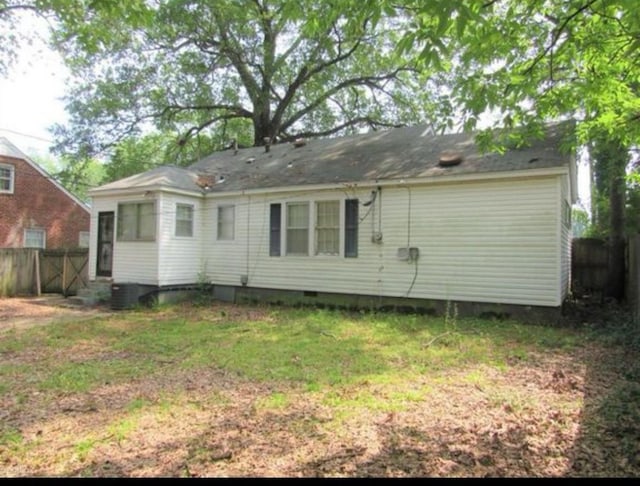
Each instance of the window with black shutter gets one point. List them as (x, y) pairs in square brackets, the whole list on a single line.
[(351, 228), (275, 225)]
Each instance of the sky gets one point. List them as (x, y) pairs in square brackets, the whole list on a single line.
[(30, 99), (31, 102)]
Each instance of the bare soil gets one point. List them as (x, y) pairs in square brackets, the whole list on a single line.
[(459, 430), (25, 312)]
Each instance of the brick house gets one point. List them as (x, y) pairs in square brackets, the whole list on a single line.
[(35, 210)]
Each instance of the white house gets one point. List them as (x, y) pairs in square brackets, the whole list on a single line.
[(391, 216)]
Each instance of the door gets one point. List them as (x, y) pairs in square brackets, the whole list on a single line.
[(105, 244)]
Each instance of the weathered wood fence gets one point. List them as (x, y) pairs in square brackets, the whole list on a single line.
[(589, 269), (28, 271), (633, 280), (589, 265)]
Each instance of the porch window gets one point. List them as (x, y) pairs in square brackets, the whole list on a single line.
[(7, 173), (226, 222), (184, 220), (136, 221), (35, 238), (298, 228), (327, 227)]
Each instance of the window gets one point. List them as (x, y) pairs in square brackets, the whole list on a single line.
[(7, 173), (351, 228), (83, 239), (328, 228), (34, 238), (566, 214), (184, 220), (275, 220), (298, 228), (136, 222), (226, 222)]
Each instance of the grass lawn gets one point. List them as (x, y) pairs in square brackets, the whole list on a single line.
[(224, 390)]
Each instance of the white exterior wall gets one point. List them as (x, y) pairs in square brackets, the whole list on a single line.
[(180, 256), (482, 241), (133, 261), (565, 238)]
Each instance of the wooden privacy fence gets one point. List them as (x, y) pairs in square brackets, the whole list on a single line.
[(589, 265), (28, 271), (18, 271), (633, 281)]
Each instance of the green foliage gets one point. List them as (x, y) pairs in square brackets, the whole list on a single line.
[(228, 69), (532, 61), (90, 24)]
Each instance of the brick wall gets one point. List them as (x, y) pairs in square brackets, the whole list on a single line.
[(37, 202)]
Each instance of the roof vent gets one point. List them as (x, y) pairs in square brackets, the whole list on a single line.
[(450, 158), (205, 181), (299, 142)]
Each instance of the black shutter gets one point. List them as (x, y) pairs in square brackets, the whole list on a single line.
[(274, 225), (351, 228)]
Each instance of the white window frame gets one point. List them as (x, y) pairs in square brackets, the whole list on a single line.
[(84, 237), (226, 224), (124, 234), (298, 229), (11, 179), (42, 236), (320, 241), (186, 221)]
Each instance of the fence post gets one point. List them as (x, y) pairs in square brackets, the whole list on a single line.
[(64, 273), (37, 264)]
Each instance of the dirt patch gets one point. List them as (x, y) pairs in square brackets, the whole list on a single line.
[(25, 312), (551, 415)]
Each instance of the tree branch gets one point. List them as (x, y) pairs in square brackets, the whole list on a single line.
[(373, 123), (557, 34)]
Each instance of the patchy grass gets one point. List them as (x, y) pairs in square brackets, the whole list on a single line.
[(225, 390)]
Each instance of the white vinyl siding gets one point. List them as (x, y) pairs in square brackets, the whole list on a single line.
[(184, 220), (327, 239), (226, 222), (481, 241), (493, 241), (133, 261), (565, 239), (181, 258), (297, 228), (7, 178)]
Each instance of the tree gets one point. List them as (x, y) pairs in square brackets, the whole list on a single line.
[(612, 158), (529, 61), (71, 19), (535, 60), (274, 69)]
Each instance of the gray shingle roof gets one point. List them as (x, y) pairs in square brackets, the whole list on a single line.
[(395, 154)]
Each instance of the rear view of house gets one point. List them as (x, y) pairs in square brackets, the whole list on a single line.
[(35, 210), (387, 218)]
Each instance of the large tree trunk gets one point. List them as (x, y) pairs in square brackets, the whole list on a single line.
[(617, 263), (611, 159)]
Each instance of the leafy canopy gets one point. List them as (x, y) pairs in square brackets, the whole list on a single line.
[(257, 71)]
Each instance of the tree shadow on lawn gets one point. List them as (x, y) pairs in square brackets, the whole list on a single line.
[(219, 427)]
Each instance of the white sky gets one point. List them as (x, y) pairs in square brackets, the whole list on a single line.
[(30, 98), (30, 103)]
